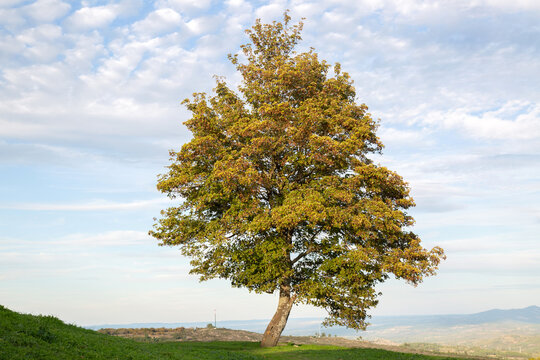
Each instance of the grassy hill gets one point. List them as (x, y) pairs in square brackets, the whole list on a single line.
[(45, 337)]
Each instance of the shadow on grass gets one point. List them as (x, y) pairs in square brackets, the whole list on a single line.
[(315, 352), (303, 352)]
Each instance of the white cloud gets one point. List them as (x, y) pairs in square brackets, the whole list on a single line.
[(8, 3), (493, 244), (393, 136), (111, 238), (308, 10), (514, 120), (28, 153), (12, 19), (47, 10), (72, 98), (87, 49), (126, 8), (9, 47), (42, 43), (184, 6), (236, 3), (438, 11), (436, 197), (205, 24), (73, 242), (91, 17), (240, 12), (159, 22), (511, 261), (97, 205), (273, 11), (46, 32), (515, 5)]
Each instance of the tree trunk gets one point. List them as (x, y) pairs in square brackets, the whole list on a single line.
[(278, 322)]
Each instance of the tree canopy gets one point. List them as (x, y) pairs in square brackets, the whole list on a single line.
[(277, 191)]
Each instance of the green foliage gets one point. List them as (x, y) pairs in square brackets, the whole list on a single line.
[(278, 191), (21, 338)]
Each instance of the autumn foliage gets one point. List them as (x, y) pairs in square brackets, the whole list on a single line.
[(277, 191)]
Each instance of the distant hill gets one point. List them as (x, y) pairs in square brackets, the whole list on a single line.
[(309, 326), (529, 315)]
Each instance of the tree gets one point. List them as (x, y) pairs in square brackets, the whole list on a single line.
[(279, 194)]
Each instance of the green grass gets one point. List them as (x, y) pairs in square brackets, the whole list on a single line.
[(323, 352), (45, 337)]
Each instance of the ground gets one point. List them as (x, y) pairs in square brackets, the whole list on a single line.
[(221, 334)]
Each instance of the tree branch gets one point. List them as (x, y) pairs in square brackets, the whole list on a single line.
[(301, 256), (309, 250)]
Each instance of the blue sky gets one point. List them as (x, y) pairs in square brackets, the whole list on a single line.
[(90, 105)]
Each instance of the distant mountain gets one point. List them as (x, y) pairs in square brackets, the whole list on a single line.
[(530, 315), (310, 326)]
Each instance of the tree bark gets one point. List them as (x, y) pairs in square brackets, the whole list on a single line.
[(278, 322)]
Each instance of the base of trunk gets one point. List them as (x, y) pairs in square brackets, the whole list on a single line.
[(278, 322)]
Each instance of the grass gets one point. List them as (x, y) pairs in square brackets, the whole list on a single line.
[(323, 352), (45, 337)]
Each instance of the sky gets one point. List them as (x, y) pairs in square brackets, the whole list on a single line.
[(90, 96)]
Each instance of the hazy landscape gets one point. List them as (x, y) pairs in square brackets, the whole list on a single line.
[(505, 333)]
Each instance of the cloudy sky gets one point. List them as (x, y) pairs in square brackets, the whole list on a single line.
[(90, 97)]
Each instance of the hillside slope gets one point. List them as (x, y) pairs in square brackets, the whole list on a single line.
[(45, 337)]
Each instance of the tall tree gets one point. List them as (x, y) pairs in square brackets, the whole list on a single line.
[(278, 192)]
